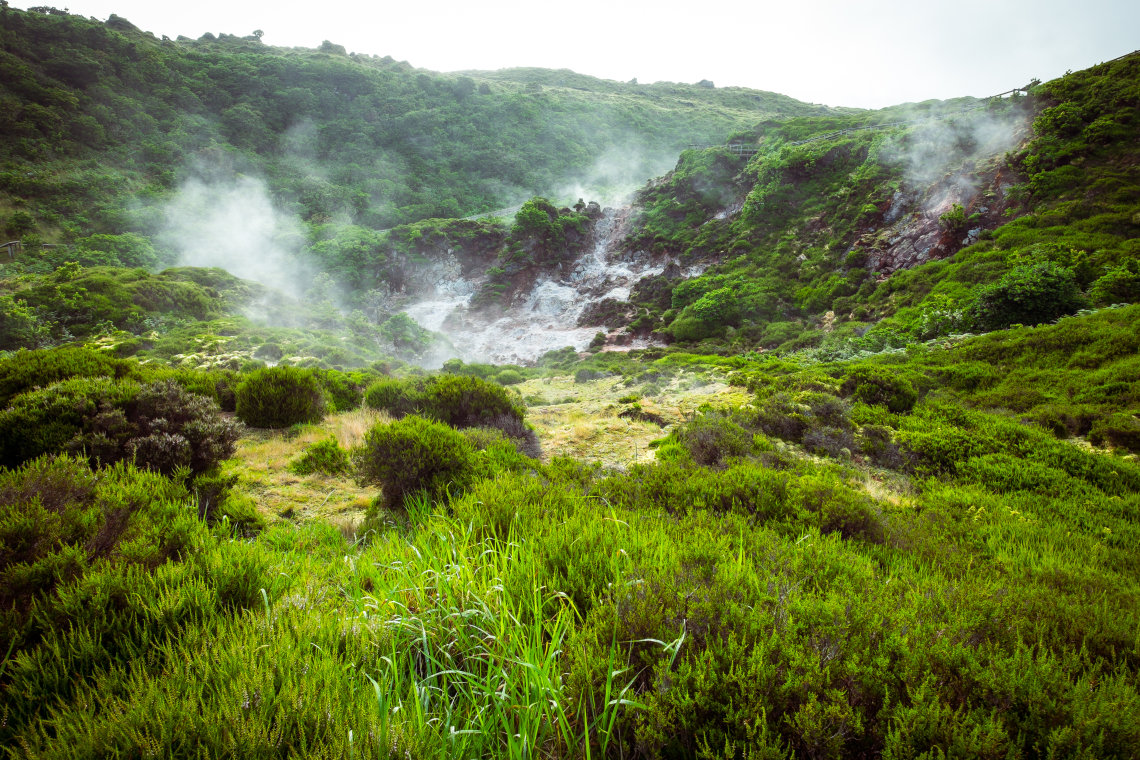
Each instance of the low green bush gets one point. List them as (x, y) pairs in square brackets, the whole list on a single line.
[(879, 385), (713, 438), (325, 457), (461, 401), (25, 370), (509, 377), (60, 519), (413, 454), (1027, 295), (239, 513), (1121, 430), (343, 390), (278, 397), (397, 397)]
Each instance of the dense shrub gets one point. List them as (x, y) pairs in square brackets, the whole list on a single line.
[(877, 385), (712, 438), (1120, 284), (397, 397), (1121, 430), (159, 426), (47, 420), (585, 375), (60, 518), (166, 408), (709, 316), (779, 417), (875, 442), (326, 457), (1027, 295), (414, 454), (277, 397), (509, 377), (829, 441), (461, 401), (344, 391), (467, 401), (25, 370)]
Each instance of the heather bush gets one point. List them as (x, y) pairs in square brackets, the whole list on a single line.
[(325, 457), (1120, 430), (158, 426), (878, 385), (413, 454), (509, 377), (25, 370), (278, 397), (712, 438), (877, 444), (461, 401), (343, 390), (829, 441), (1027, 295), (60, 518), (397, 397)]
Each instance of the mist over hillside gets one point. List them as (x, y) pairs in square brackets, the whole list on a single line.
[(353, 410)]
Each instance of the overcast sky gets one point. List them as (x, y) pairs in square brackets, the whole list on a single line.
[(865, 53)]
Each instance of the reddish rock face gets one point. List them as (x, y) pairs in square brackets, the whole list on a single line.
[(911, 233)]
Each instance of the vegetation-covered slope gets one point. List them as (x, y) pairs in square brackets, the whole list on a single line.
[(92, 114), (918, 224), (888, 540)]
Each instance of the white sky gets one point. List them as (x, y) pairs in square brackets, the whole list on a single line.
[(865, 53)]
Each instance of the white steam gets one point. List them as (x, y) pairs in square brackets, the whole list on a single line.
[(623, 168), (232, 223), (930, 151)]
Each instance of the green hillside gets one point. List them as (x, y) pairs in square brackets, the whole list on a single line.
[(872, 491), (1048, 221), (95, 114)]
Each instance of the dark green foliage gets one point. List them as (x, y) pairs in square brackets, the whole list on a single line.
[(344, 391), (1027, 295), (411, 455), (1121, 430), (278, 397), (397, 397), (239, 514), (954, 220), (405, 335), (458, 400), (713, 438), (509, 377), (158, 426), (1120, 284), (325, 457), (142, 106), (876, 385), (585, 375)]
